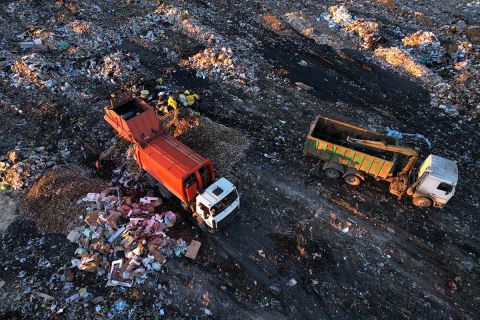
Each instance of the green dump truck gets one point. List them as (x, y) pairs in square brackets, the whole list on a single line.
[(354, 153)]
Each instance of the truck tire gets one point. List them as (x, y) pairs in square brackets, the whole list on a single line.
[(203, 226), (421, 201), (201, 223), (332, 173), (352, 179)]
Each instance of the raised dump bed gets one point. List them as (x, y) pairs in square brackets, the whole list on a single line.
[(327, 140)]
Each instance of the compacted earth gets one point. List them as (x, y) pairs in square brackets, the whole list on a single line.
[(303, 246)]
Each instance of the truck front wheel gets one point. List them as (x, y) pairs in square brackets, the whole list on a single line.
[(423, 202), (332, 173), (201, 223), (352, 179)]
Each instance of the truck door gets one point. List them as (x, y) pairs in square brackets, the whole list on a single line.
[(190, 186)]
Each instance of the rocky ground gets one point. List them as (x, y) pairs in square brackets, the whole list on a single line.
[(304, 247)]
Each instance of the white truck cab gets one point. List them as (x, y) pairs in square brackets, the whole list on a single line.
[(218, 204), (436, 181)]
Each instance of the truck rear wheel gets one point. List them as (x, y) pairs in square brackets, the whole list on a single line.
[(332, 173), (423, 202), (352, 179)]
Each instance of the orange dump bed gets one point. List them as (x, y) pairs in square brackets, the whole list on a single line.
[(177, 167)]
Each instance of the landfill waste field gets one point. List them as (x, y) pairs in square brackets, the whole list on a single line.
[(166, 159)]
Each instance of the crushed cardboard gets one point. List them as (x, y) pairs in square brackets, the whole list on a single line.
[(116, 226)]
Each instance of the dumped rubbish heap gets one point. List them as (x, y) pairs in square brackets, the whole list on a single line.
[(424, 47), (217, 63), (451, 74), (20, 167), (124, 238), (367, 31), (113, 67)]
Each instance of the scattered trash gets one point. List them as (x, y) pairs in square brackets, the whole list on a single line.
[(208, 312), (192, 250), (117, 307), (44, 295), (275, 289), (292, 282), (72, 298), (303, 86)]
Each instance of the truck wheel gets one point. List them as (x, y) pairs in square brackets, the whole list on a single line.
[(332, 173), (423, 202), (352, 179), (201, 223)]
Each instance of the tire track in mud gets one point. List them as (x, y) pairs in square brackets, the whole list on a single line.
[(423, 265), (242, 244)]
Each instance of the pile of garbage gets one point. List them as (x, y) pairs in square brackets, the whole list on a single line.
[(424, 47), (453, 86), (124, 238), (339, 15), (113, 67), (182, 20), (19, 168), (367, 31), (41, 40), (216, 63), (80, 27), (399, 59), (217, 60), (32, 69)]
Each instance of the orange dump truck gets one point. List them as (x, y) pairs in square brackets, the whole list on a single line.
[(176, 168)]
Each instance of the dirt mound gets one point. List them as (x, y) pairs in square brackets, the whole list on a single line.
[(223, 145), (51, 201)]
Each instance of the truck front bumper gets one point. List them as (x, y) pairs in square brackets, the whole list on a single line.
[(228, 219)]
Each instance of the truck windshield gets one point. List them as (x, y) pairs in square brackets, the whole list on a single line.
[(224, 203), (445, 187)]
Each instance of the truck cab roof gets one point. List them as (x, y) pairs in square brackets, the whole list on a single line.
[(441, 168), (217, 191)]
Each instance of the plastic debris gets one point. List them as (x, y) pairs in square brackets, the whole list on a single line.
[(207, 312), (292, 282), (400, 135), (118, 306)]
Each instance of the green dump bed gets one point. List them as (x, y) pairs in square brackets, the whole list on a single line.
[(327, 140)]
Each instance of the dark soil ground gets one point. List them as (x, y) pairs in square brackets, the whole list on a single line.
[(394, 262)]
